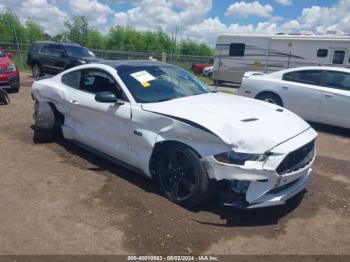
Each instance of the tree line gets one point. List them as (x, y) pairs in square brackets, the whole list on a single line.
[(78, 30)]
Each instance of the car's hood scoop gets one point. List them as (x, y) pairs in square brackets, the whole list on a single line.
[(243, 123)]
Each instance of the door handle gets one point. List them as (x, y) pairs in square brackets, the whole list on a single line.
[(328, 95), (284, 87), (75, 102)]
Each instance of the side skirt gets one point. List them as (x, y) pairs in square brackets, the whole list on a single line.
[(109, 158)]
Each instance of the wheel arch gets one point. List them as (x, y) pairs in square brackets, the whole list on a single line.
[(267, 92), (161, 145)]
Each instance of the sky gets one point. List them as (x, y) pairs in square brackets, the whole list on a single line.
[(199, 20)]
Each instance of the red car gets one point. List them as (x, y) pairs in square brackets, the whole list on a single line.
[(9, 74), (198, 68)]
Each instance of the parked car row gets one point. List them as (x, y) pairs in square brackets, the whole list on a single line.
[(159, 120)]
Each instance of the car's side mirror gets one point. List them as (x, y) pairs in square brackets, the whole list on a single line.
[(108, 97), (9, 54)]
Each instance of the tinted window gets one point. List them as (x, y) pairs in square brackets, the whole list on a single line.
[(45, 49), (155, 83), (310, 77), (96, 81), (71, 79), (338, 80), (322, 52), (52, 49), (78, 51), (35, 47), (237, 49), (338, 57)]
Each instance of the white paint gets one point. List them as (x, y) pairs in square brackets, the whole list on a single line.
[(111, 128), (315, 103)]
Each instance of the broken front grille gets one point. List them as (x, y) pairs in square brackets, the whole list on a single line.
[(297, 159)]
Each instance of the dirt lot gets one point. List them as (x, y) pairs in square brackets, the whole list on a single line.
[(59, 199)]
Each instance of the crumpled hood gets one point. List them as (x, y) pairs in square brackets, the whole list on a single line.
[(247, 125)]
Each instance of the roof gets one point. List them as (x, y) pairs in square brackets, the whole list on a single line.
[(52, 42), (291, 37), (330, 68), (132, 63)]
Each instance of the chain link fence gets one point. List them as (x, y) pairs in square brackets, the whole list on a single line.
[(20, 53)]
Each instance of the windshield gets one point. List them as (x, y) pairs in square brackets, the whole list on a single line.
[(2, 53), (156, 83), (78, 51)]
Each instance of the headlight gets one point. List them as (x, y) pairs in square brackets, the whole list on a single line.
[(11, 68), (236, 158)]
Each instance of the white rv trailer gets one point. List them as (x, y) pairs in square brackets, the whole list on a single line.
[(237, 54)]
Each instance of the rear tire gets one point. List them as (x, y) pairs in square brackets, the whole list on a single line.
[(181, 176), (270, 98), (46, 127), (36, 71)]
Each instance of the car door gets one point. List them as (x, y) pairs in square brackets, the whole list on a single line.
[(58, 58), (52, 60), (101, 126), (335, 105), (300, 92), (45, 58)]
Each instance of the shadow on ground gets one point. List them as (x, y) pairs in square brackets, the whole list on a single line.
[(240, 217)]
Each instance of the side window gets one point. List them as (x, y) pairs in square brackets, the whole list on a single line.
[(96, 81), (237, 49), (71, 79), (45, 49), (310, 77), (338, 57), (56, 50), (338, 80), (322, 52)]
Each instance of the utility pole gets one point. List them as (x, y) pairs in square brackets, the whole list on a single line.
[(18, 47), (173, 49)]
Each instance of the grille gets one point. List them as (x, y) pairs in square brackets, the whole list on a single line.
[(297, 159), (1, 70)]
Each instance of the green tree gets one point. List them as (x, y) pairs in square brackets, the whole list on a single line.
[(10, 27), (34, 32), (78, 29)]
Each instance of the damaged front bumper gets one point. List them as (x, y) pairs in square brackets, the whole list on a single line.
[(269, 183)]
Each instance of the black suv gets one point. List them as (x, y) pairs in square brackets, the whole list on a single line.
[(53, 58)]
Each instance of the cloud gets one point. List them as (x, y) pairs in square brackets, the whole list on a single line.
[(154, 14), (285, 2), (243, 9), (323, 19), (96, 12), (49, 16)]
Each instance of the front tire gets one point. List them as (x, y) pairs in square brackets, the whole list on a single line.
[(36, 71), (181, 176), (46, 126), (270, 98)]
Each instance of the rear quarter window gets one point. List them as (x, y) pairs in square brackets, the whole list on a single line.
[(71, 79)]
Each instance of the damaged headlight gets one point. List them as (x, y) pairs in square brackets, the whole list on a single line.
[(236, 158)]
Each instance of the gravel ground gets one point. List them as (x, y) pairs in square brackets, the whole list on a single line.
[(59, 199)]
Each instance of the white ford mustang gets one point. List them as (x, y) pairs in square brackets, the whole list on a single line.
[(319, 94), (161, 121)]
